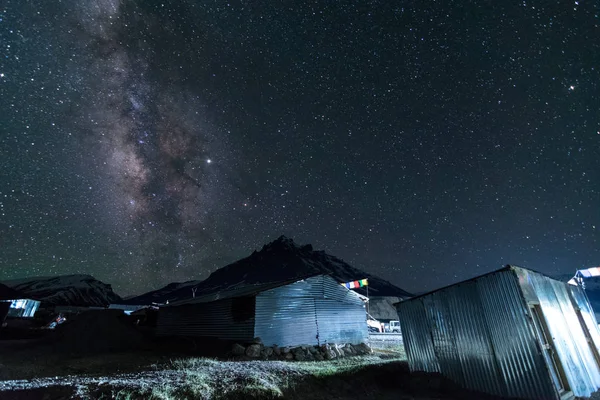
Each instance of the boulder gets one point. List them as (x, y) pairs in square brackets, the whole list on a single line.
[(300, 355), (313, 349), (329, 353), (289, 356), (363, 348), (238, 350), (253, 351), (319, 357), (257, 340), (268, 351), (349, 350), (276, 350), (285, 350), (338, 352)]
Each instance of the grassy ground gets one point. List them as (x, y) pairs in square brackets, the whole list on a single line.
[(35, 370), (186, 378), (378, 376), (41, 363)]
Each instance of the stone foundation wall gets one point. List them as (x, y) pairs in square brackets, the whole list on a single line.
[(258, 351)]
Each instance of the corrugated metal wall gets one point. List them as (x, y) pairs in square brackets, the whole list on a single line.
[(341, 322), (23, 308), (476, 358), (554, 297), (285, 321), (518, 353), (313, 311), (478, 334), (228, 319), (416, 334), (341, 315)]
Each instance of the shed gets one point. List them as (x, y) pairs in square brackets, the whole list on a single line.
[(310, 311), (16, 304), (513, 332)]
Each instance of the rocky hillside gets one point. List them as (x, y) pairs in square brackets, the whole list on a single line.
[(66, 290), (280, 260), (170, 292)]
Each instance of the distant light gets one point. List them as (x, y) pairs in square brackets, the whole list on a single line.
[(1, 75), (571, 87), (208, 161)]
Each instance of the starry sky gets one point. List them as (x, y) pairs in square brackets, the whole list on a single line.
[(146, 142)]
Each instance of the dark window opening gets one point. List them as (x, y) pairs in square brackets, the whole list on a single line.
[(242, 308)]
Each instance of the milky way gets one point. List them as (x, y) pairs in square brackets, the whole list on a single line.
[(153, 143), (145, 142)]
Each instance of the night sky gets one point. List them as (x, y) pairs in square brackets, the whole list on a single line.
[(146, 142)]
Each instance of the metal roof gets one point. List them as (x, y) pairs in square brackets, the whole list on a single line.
[(507, 267), (238, 290)]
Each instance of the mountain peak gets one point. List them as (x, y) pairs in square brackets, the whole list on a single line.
[(278, 261), (282, 242), (285, 244)]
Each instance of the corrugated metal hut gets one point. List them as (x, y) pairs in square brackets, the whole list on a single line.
[(311, 311), (15, 304), (512, 332)]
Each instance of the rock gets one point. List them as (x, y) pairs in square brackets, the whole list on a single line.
[(308, 356), (289, 356), (364, 348), (329, 353), (276, 350), (338, 352), (285, 350), (313, 349), (238, 350), (268, 351), (253, 351), (319, 357), (257, 340), (299, 356), (349, 350)]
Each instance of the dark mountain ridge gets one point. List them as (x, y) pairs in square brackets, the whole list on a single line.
[(66, 290), (280, 260)]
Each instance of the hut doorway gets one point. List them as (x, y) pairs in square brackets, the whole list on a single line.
[(588, 336), (555, 366)]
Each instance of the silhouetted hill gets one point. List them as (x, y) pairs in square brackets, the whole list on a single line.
[(280, 260)]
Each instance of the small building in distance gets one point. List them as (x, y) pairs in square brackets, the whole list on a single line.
[(311, 311), (15, 304), (512, 333)]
